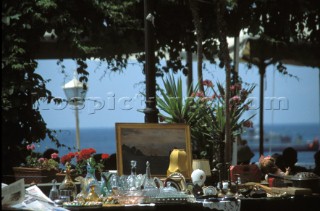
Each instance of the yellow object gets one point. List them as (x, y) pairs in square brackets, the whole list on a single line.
[(92, 196), (68, 184), (178, 162)]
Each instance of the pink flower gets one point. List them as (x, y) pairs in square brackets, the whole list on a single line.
[(54, 155), (31, 147), (236, 99), (200, 94), (41, 160)]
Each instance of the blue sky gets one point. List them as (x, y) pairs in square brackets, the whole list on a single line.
[(115, 97)]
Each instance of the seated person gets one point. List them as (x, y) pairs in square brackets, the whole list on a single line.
[(279, 161), (244, 153), (316, 169), (244, 170), (290, 158), (268, 166)]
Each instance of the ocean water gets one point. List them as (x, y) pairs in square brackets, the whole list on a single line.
[(104, 140)]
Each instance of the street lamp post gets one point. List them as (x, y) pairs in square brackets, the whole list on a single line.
[(75, 93)]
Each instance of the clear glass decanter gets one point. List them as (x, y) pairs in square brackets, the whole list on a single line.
[(54, 192), (149, 186), (148, 180), (132, 178)]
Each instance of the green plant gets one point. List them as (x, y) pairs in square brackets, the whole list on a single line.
[(34, 160), (204, 112), (176, 108)]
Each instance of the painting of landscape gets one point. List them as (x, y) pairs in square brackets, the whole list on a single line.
[(150, 142)]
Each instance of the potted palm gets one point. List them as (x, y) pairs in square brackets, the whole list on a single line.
[(204, 112)]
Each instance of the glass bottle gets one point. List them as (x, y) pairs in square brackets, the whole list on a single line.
[(149, 185), (109, 181), (148, 180), (132, 179), (90, 179), (54, 192), (68, 184)]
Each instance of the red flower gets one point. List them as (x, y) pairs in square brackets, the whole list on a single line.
[(104, 156), (67, 158), (162, 119), (85, 154), (82, 158), (207, 83), (248, 124)]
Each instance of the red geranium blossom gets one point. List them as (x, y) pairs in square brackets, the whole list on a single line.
[(83, 157), (67, 158), (104, 156)]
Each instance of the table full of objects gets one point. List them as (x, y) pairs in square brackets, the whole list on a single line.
[(146, 192)]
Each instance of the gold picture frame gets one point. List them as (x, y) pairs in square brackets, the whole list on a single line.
[(151, 142)]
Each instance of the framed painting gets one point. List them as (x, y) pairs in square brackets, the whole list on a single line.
[(151, 142)]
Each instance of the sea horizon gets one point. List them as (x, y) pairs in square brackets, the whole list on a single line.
[(103, 139)]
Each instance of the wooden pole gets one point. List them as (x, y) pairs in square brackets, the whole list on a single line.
[(262, 70), (151, 112)]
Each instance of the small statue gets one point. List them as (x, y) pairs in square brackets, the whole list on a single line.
[(68, 184), (92, 195)]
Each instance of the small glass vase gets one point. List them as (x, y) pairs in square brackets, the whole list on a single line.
[(91, 180)]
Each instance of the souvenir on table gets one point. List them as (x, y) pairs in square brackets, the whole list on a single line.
[(178, 162), (149, 186), (68, 184), (90, 179)]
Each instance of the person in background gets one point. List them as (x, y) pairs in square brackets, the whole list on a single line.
[(244, 153), (245, 171), (268, 166), (279, 161), (316, 169), (290, 158), (47, 154)]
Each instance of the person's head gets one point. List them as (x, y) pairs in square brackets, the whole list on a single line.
[(279, 161), (290, 156), (268, 165), (244, 154), (47, 154)]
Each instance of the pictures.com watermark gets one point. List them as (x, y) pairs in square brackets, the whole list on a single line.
[(137, 102)]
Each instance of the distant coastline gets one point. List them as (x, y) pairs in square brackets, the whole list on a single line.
[(103, 139)]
